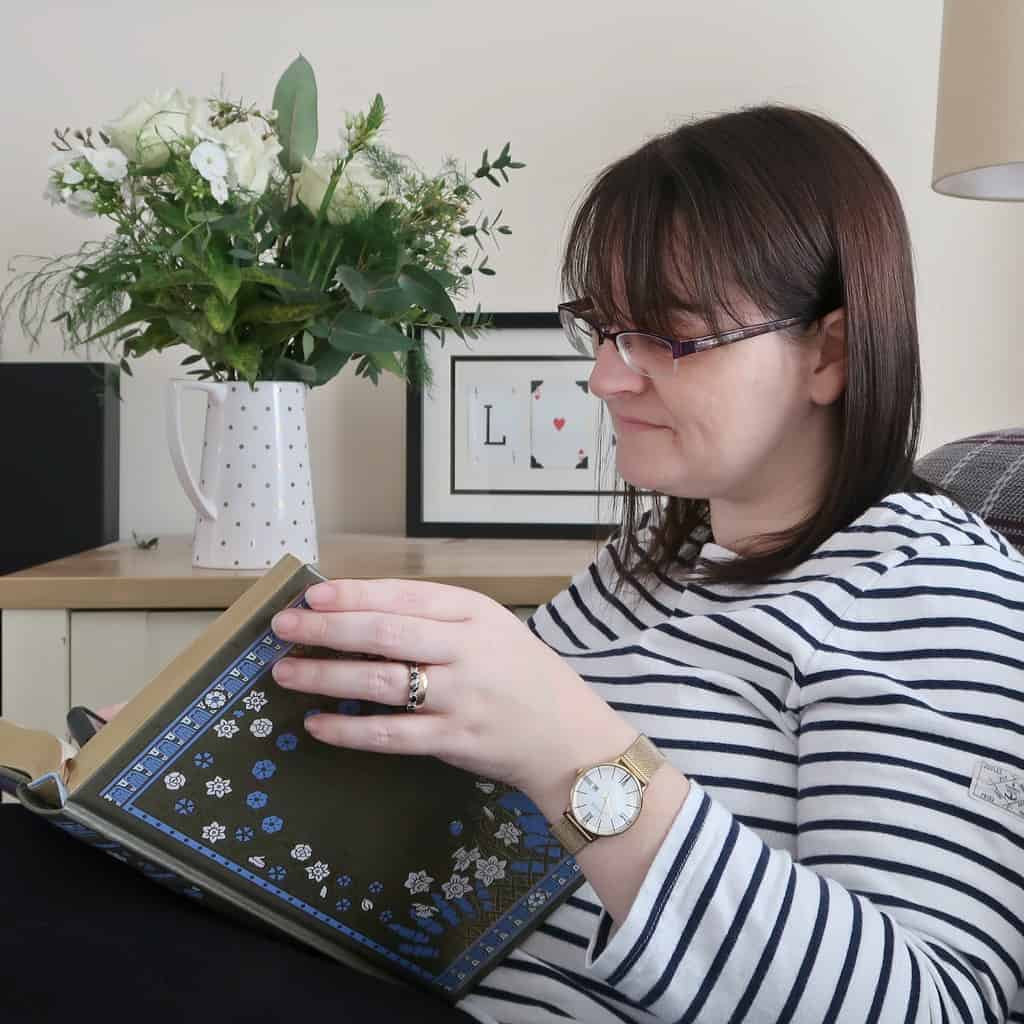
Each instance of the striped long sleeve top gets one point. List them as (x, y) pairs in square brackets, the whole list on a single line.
[(852, 845)]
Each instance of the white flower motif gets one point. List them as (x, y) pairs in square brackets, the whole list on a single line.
[(418, 881), (255, 701), (81, 203), (213, 832), (536, 899), (261, 727), (463, 858), (490, 870), (109, 163), (485, 787), (174, 780), (423, 910), (218, 787), (302, 851), (318, 872), (508, 833), (226, 728), (209, 160), (456, 887), (215, 699)]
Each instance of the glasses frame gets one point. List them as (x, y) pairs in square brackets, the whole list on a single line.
[(679, 348)]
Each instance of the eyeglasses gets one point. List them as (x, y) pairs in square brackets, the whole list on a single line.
[(648, 354)]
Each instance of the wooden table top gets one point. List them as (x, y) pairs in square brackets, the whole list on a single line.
[(122, 575)]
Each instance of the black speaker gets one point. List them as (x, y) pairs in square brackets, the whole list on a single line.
[(60, 437)]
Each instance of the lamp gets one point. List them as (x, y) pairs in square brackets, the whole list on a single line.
[(979, 124)]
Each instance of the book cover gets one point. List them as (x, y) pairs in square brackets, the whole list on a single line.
[(208, 783)]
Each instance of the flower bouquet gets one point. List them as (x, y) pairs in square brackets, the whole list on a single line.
[(266, 260)]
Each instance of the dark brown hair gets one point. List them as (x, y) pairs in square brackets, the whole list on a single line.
[(789, 208)]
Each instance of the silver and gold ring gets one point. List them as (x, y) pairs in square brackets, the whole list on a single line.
[(418, 683)]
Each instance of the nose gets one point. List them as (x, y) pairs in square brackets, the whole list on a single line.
[(611, 375)]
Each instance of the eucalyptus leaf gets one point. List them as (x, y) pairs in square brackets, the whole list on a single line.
[(355, 284), (329, 363), (424, 290), (228, 279), (359, 332), (295, 100)]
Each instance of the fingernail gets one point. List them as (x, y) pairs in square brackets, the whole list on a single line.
[(320, 592), (283, 670), (284, 621)]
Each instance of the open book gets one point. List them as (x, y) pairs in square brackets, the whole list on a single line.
[(208, 783)]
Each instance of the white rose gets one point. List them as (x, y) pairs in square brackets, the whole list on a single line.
[(143, 131), (355, 181), (250, 156)]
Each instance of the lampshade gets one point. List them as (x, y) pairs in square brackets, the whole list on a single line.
[(979, 124)]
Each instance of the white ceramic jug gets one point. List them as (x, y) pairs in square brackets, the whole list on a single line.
[(254, 500)]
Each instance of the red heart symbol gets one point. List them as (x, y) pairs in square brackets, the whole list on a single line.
[(559, 423)]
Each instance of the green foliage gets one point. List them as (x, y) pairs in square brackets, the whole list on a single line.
[(259, 286)]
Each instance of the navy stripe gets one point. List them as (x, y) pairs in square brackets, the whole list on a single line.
[(767, 954), (594, 621), (667, 887), (994, 753), (824, 756), (490, 992), (797, 991), (954, 991), (696, 916), (982, 968), (600, 587), (885, 971), (729, 942), (563, 626), (600, 993), (843, 984)]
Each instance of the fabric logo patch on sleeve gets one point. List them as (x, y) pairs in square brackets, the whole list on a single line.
[(1002, 787)]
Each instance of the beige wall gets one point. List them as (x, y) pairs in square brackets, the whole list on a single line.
[(573, 85)]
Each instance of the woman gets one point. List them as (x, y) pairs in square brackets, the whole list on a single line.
[(825, 651)]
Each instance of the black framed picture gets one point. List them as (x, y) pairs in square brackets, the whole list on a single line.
[(505, 441)]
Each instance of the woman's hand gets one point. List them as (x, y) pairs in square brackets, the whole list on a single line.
[(110, 711), (499, 703)]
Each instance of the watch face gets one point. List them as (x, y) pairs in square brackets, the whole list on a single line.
[(606, 799)]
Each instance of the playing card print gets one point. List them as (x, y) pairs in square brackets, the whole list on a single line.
[(495, 426), (561, 424)]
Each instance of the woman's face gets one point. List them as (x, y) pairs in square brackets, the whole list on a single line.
[(729, 423)]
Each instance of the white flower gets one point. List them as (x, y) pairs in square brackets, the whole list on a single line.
[(218, 787), (485, 786), (197, 122), (423, 910), (70, 175), (318, 872), (62, 157), (215, 699), (490, 870), (175, 780), (456, 887), (143, 131), (463, 858), (508, 833), (109, 163), (213, 832), (219, 190), (418, 881), (356, 187), (302, 851), (209, 160), (536, 899), (53, 194), (255, 701), (261, 727), (226, 728), (250, 156), (81, 203)]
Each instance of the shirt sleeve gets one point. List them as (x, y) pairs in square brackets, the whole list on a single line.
[(905, 901)]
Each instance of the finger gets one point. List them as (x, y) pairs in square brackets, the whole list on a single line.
[(400, 733), (396, 637), (420, 598), (382, 682)]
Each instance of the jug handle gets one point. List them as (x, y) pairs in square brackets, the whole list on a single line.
[(214, 393)]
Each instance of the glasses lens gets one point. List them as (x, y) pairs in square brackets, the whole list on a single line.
[(581, 335), (646, 354)]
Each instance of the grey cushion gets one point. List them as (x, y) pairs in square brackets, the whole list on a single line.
[(985, 473)]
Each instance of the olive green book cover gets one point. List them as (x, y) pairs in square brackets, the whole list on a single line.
[(207, 782)]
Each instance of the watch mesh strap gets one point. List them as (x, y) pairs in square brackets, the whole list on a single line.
[(642, 758)]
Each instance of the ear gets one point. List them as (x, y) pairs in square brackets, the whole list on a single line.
[(828, 373)]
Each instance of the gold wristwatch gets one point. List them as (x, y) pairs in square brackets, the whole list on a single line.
[(606, 799)]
